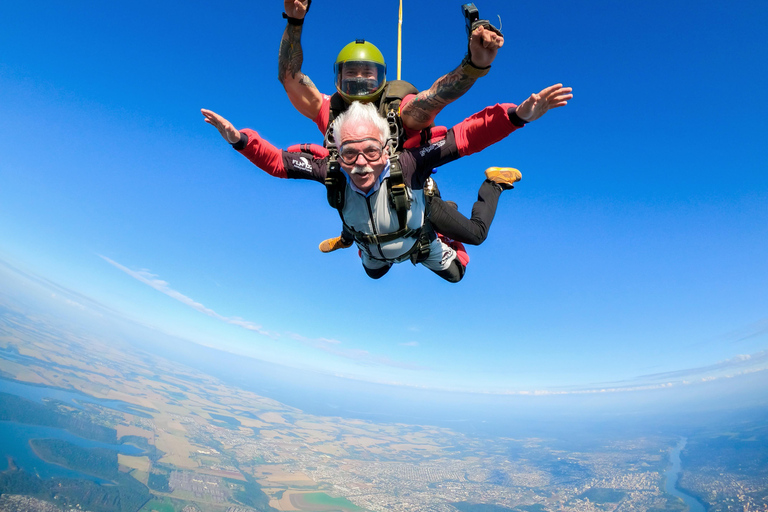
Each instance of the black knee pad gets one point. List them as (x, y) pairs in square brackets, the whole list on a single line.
[(376, 273), (454, 273)]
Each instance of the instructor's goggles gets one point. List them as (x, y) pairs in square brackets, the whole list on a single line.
[(360, 80)]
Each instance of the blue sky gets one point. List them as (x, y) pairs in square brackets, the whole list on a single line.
[(633, 252)]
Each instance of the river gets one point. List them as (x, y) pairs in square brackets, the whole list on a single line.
[(673, 474)]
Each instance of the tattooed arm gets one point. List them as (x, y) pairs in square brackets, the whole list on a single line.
[(422, 110), (301, 91)]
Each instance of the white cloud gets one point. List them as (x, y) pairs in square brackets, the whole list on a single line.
[(358, 355), (737, 365), (162, 286), (327, 345), (410, 344)]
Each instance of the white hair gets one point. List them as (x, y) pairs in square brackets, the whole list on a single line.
[(361, 113)]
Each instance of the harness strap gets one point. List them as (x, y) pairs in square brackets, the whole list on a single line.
[(428, 234), (398, 195), (418, 252), (384, 238), (426, 135), (335, 182)]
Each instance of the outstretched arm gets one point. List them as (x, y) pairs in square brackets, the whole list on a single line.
[(263, 154), (301, 91), (421, 111), (492, 124)]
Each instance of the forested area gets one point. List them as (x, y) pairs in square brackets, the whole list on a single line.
[(21, 410)]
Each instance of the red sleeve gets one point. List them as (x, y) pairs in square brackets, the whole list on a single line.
[(480, 130), (321, 120), (264, 155)]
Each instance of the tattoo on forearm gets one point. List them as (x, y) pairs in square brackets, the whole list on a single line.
[(291, 56), (428, 103)]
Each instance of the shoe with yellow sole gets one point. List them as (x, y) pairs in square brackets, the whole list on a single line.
[(505, 177), (333, 244)]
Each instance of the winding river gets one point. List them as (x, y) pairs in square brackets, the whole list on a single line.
[(672, 475)]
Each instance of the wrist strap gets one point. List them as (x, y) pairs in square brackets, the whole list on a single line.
[(471, 70), (293, 21)]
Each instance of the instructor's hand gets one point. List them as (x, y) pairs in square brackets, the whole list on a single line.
[(296, 8), (483, 46)]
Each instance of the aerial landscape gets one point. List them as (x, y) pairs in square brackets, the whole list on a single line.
[(184, 331), (138, 432)]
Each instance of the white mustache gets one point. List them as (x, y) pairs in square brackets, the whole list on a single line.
[(362, 170)]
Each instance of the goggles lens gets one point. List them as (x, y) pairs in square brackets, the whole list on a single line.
[(371, 152), (358, 79)]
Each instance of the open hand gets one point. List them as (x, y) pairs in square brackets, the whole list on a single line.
[(538, 104), (229, 132)]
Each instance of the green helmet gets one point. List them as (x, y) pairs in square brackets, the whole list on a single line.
[(361, 72)]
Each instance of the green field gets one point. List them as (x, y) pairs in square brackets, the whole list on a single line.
[(321, 502), (160, 506)]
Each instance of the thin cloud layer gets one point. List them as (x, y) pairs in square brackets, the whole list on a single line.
[(746, 333), (738, 365), (162, 286), (328, 345), (361, 356)]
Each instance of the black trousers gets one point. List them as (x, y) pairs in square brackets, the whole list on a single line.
[(473, 231), (448, 221)]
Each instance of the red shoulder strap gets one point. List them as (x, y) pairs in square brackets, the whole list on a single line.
[(426, 136), (316, 150)]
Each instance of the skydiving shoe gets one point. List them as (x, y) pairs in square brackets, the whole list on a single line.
[(503, 176), (332, 244)]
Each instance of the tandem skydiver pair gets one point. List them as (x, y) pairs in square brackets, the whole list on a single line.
[(381, 147)]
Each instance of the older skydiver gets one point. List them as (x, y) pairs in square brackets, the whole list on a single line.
[(367, 195)]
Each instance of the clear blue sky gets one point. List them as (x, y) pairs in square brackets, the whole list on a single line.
[(634, 252)]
